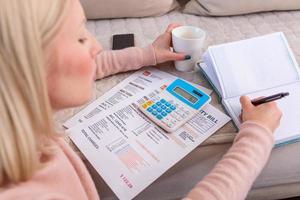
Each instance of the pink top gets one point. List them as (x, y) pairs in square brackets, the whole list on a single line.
[(64, 175)]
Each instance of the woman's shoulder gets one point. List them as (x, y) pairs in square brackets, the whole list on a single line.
[(49, 181), (30, 192)]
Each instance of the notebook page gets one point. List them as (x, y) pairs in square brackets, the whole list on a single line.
[(207, 67), (290, 106), (254, 64)]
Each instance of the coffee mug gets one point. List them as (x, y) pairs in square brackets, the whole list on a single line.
[(189, 41)]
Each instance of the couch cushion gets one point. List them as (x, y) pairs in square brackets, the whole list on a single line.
[(236, 7), (98, 9)]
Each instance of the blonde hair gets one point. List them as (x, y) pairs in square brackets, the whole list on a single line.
[(26, 124)]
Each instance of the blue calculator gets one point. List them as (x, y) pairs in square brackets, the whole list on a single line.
[(174, 106)]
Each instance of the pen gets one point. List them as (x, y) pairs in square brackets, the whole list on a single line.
[(269, 98)]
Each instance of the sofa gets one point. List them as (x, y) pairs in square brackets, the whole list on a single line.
[(223, 21)]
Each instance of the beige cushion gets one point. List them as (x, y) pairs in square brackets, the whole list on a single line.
[(97, 9), (236, 7)]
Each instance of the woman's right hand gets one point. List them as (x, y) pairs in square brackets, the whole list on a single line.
[(267, 114)]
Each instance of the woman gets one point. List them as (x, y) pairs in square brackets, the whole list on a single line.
[(48, 61)]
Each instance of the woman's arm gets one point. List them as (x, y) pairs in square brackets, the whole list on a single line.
[(114, 61), (232, 177), (111, 62)]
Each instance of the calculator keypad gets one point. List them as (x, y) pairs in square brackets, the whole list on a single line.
[(168, 112)]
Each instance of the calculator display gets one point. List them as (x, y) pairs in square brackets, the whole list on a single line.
[(185, 94)]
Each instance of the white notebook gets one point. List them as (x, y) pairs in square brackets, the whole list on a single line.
[(259, 66)]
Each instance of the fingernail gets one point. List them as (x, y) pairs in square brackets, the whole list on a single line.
[(187, 57)]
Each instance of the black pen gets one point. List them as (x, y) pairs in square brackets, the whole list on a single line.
[(270, 98)]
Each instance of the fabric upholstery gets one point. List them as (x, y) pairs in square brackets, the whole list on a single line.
[(98, 9), (236, 7)]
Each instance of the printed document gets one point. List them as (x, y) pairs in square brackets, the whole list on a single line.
[(124, 146)]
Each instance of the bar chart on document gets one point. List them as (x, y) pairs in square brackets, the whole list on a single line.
[(127, 155)]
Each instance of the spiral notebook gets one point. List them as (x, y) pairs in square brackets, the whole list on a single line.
[(255, 67)]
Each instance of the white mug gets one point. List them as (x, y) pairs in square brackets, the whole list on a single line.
[(188, 40)]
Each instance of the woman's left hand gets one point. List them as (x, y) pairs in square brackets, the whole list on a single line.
[(162, 46)]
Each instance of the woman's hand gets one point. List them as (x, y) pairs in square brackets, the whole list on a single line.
[(162, 47), (267, 114)]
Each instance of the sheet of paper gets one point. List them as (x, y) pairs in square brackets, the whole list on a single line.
[(254, 64), (130, 152), (289, 125), (208, 69), (125, 147)]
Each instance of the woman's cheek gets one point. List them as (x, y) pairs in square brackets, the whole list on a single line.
[(86, 68), (90, 71)]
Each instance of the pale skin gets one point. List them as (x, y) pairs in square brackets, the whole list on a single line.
[(267, 114), (72, 70)]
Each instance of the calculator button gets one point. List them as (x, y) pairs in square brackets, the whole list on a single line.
[(158, 103), (173, 107), (169, 125), (164, 113), (159, 117), (154, 112), (145, 105), (168, 110), (154, 106), (168, 104), (163, 101), (158, 109), (149, 103), (167, 119), (173, 121), (150, 109), (163, 107)]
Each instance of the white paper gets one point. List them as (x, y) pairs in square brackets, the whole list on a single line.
[(124, 146), (289, 128), (259, 66), (208, 69), (254, 64)]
